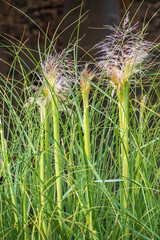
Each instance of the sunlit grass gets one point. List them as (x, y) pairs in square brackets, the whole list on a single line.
[(65, 147)]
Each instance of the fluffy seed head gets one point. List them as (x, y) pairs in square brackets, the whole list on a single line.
[(56, 78), (85, 77), (57, 75), (123, 53)]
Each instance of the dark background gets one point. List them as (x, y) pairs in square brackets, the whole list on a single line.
[(44, 12)]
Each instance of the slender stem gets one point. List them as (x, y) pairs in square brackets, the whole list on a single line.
[(47, 143), (42, 167), (138, 157), (25, 235), (57, 156), (123, 98), (141, 123), (70, 166), (124, 123), (86, 130), (48, 168), (88, 155), (9, 177)]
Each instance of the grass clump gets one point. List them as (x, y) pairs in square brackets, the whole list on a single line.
[(80, 157)]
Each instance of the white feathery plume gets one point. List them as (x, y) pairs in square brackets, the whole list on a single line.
[(123, 53)]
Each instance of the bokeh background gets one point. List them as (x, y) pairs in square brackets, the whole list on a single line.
[(46, 13)]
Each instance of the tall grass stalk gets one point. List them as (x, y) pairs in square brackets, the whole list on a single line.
[(47, 142), (25, 212), (123, 55), (57, 82), (123, 98), (140, 139), (42, 170), (49, 193), (57, 157), (85, 79)]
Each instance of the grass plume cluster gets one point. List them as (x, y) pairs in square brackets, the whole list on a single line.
[(80, 156)]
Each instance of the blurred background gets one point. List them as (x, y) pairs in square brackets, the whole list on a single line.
[(48, 14)]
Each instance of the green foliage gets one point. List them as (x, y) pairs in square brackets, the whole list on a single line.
[(83, 199)]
